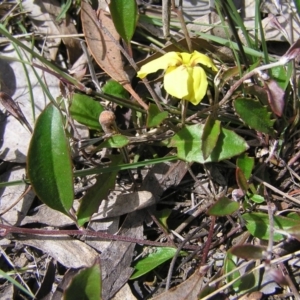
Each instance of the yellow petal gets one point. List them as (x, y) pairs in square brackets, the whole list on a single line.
[(167, 60), (198, 85), (197, 58), (176, 81)]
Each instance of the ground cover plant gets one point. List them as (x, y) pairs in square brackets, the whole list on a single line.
[(149, 152)]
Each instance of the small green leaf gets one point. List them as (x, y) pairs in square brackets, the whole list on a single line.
[(116, 89), (86, 111), (124, 16), (230, 264), (249, 251), (223, 207), (87, 284), (256, 198), (116, 141), (211, 132), (258, 225), (189, 144), (162, 216), (282, 74), (49, 165), (254, 115), (91, 201), (155, 116), (246, 164), (153, 260)]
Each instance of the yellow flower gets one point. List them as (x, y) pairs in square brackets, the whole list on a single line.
[(184, 78)]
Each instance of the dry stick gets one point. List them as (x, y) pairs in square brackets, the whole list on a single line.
[(277, 190), (17, 201), (172, 264), (5, 230), (183, 25), (208, 241), (255, 71), (244, 266)]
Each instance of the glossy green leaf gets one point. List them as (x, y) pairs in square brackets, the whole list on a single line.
[(116, 141), (258, 225), (155, 116), (246, 164), (230, 264), (86, 111), (223, 207), (211, 132), (116, 89), (153, 260), (49, 165), (241, 180), (282, 75), (249, 251), (256, 198), (91, 201), (189, 144), (254, 115), (124, 16), (87, 284)]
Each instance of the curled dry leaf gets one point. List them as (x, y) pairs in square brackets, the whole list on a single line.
[(101, 39)]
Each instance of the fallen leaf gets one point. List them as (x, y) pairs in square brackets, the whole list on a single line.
[(69, 252), (101, 39)]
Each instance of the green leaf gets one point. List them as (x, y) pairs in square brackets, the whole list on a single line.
[(153, 260), (86, 111), (49, 165), (124, 16), (258, 225), (223, 207), (230, 264), (155, 116), (189, 144), (211, 132), (254, 115), (256, 198), (282, 74), (162, 216), (91, 201), (246, 164), (116, 89), (116, 141), (87, 284)]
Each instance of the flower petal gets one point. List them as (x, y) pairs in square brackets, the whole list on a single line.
[(198, 86), (167, 60), (197, 58), (176, 81)]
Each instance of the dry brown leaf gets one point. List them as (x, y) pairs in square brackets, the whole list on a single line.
[(117, 258), (103, 48), (43, 15), (69, 252), (124, 203), (187, 290)]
